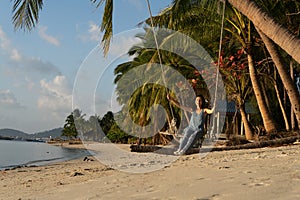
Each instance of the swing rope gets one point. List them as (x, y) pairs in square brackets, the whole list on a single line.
[(219, 54), (158, 52), (218, 65)]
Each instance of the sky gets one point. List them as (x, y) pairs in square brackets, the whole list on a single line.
[(47, 72)]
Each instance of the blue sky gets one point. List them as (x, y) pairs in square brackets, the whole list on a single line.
[(38, 69)]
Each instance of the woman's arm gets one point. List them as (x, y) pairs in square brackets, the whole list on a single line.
[(208, 111), (176, 103)]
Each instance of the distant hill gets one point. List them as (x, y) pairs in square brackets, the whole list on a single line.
[(54, 133), (12, 133)]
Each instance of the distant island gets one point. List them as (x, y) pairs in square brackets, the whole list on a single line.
[(12, 134)]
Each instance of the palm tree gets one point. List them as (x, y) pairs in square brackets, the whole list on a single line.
[(272, 29), (270, 77), (237, 83), (69, 129), (147, 92), (237, 25), (283, 12), (242, 30), (134, 93), (26, 14), (286, 79), (107, 121)]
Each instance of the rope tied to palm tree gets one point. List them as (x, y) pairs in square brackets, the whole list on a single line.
[(159, 55), (218, 64)]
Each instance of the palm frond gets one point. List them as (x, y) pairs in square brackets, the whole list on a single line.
[(98, 2), (26, 13), (106, 24)]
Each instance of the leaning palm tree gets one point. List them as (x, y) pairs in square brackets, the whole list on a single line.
[(286, 13), (264, 22), (284, 75)]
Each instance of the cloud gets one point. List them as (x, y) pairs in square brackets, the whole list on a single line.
[(50, 39), (22, 65), (7, 48), (40, 66), (122, 45), (15, 55), (94, 31), (29, 83), (58, 86), (5, 43), (93, 34), (7, 98), (29, 68), (55, 96)]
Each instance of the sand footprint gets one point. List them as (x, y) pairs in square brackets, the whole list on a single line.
[(260, 182), (212, 197)]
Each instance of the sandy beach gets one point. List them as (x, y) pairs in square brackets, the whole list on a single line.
[(265, 173)]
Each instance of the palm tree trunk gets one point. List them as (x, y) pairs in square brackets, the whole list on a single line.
[(263, 21), (264, 92), (266, 116), (155, 129), (248, 130), (286, 121), (286, 79), (293, 124)]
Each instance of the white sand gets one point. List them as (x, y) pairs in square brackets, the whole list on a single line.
[(267, 173)]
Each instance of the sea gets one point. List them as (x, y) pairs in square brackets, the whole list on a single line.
[(23, 153)]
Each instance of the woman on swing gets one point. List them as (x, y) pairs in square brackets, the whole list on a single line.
[(196, 123)]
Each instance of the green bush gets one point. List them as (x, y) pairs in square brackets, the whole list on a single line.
[(116, 135)]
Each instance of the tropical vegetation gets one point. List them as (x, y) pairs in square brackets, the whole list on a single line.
[(69, 129), (258, 62)]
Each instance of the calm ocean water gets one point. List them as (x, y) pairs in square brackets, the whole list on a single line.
[(19, 153)]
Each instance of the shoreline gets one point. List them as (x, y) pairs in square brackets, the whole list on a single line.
[(48, 161), (263, 173)]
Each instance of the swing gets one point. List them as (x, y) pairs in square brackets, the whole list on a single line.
[(172, 130)]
